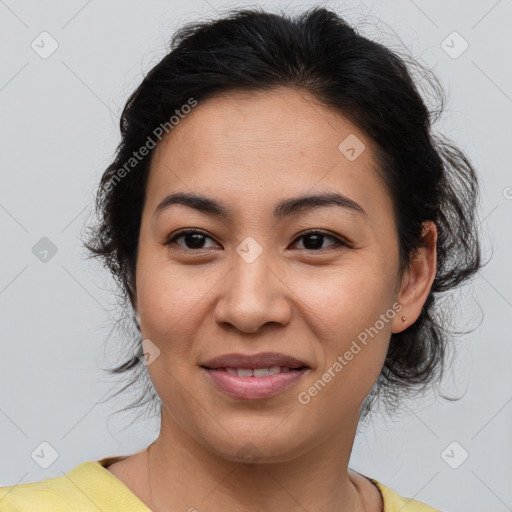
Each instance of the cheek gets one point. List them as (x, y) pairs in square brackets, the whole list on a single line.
[(167, 294), (347, 297), (350, 312)]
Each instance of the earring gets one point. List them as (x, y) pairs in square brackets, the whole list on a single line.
[(403, 316)]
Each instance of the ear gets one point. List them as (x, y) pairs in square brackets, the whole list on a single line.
[(417, 280)]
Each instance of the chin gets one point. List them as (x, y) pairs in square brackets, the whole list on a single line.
[(251, 448)]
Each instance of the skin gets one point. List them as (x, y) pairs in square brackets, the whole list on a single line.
[(249, 151)]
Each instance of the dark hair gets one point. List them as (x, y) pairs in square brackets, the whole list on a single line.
[(428, 177)]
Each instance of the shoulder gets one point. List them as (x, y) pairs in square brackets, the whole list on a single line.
[(393, 502), (39, 496), (87, 487), (51, 494)]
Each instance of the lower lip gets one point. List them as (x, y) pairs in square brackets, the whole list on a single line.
[(251, 388)]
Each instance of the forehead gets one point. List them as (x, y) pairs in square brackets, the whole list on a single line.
[(259, 147)]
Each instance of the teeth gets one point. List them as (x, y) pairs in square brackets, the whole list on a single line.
[(257, 372)]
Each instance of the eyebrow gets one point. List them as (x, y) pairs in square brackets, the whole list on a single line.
[(283, 209)]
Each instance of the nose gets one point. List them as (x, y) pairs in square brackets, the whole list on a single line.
[(252, 295)]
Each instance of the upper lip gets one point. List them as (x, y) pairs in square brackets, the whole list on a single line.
[(261, 360)]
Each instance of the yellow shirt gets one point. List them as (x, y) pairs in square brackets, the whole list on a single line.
[(91, 487)]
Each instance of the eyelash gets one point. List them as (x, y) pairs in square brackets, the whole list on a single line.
[(338, 243)]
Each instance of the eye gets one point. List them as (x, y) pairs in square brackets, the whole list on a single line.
[(193, 239), (313, 240)]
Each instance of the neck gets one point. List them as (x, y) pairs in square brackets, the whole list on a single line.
[(184, 472)]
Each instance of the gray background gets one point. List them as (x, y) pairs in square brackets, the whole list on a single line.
[(59, 129)]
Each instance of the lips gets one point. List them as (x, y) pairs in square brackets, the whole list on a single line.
[(262, 360), (252, 377)]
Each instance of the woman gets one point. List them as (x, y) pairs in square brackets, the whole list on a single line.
[(282, 220)]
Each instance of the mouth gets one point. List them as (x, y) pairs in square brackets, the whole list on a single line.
[(257, 376), (257, 372), (255, 362)]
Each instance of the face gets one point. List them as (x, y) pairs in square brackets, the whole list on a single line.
[(318, 284)]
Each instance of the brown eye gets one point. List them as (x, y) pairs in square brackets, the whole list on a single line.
[(192, 239), (313, 240)]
